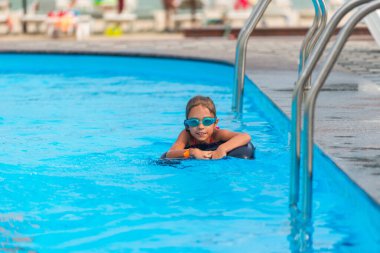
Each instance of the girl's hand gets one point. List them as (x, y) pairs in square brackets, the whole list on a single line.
[(199, 154), (219, 153)]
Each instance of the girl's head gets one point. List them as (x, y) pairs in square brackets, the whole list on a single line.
[(201, 118), (206, 102)]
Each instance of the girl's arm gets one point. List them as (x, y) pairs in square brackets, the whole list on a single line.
[(232, 141), (178, 149)]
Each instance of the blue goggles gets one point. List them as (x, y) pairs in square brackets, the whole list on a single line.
[(194, 122)]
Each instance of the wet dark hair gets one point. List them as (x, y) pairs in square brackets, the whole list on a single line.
[(200, 100)]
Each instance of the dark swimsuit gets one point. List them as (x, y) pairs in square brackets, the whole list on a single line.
[(246, 151), (206, 146)]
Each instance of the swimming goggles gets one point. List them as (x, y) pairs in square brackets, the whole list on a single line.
[(194, 122)]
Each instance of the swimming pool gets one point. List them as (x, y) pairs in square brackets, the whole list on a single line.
[(81, 137)]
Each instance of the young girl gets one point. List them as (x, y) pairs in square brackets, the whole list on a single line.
[(202, 134)]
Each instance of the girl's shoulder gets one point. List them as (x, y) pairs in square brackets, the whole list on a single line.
[(182, 140), (223, 135), (218, 134), (185, 136)]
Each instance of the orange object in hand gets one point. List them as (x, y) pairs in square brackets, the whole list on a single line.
[(186, 154)]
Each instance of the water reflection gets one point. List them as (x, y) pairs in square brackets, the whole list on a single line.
[(301, 232)]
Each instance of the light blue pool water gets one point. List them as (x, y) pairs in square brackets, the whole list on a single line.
[(79, 171)]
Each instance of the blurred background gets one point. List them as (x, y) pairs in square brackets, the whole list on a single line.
[(81, 19)]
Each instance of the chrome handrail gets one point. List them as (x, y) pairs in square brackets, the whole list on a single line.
[(241, 51), (313, 59), (310, 38), (308, 125), (308, 44), (322, 25)]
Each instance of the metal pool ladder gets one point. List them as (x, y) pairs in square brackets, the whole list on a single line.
[(319, 23), (241, 47), (241, 52), (309, 111)]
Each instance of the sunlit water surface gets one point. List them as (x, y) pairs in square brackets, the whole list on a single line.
[(81, 138)]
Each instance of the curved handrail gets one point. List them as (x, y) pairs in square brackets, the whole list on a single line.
[(308, 44), (297, 96), (241, 51), (308, 125), (322, 25)]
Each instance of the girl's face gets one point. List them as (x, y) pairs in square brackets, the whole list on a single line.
[(201, 133)]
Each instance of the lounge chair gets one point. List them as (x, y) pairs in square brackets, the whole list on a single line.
[(215, 11), (5, 25), (280, 13), (188, 15), (123, 18), (32, 19), (70, 19), (236, 17)]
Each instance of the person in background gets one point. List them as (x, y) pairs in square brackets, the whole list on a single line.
[(63, 21), (242, 4), (170, 7)]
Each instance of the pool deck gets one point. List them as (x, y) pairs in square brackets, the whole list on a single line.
[(348, 108)]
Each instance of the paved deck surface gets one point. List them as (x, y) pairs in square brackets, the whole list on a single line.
[(348, 108)]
